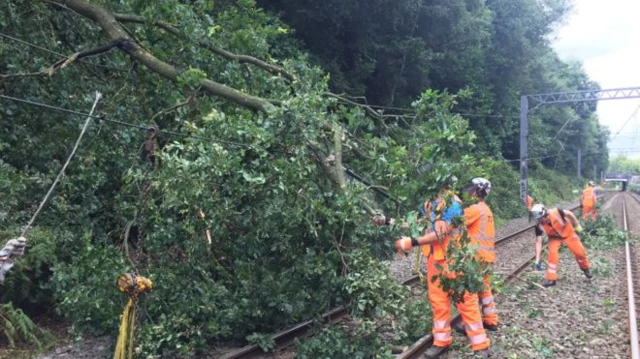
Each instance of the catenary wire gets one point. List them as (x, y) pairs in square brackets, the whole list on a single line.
[(54, 52), (122, 123)]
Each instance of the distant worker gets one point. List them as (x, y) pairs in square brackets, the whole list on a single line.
[(588, 201), (561, 226), (481, 230), (443, 210), (529, 202)]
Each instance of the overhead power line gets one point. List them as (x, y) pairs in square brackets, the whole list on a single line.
[(122, 123), (54, 53)]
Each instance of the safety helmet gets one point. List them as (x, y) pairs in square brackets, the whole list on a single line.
[(538, 211), (480, 186), (451, 181), (592, 184)]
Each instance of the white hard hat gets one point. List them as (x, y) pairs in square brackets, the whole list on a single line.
[(592, 184), (538, 211), (481, 186)]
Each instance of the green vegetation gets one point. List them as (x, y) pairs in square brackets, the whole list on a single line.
[(603, 233), (257, 95)]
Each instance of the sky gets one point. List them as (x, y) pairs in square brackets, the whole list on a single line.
[(604, 35)]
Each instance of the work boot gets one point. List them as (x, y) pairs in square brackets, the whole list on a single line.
[(485, 353), (459, 327), (587, 273), (490, 327), (549, 283), (434, 352)]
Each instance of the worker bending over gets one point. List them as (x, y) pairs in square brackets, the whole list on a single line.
[(588, 201), (559, 226), (443, 210)]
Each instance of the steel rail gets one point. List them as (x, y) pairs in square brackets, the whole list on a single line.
[(286, 337), (633, 326), (418, 348)]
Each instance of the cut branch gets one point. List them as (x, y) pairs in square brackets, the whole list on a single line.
[(115, 31), (243, 59)]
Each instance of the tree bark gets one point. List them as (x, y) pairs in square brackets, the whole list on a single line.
[(243, 59), (115, 31)]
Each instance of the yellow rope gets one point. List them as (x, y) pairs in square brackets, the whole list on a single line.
[(133, 285), (125, 336)]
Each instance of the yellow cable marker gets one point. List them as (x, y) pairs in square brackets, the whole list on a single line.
[(133, 286)]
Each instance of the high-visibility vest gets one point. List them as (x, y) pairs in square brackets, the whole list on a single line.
[(529, 202), (559, 228), (439, 248), (588, 198), (481, 230)]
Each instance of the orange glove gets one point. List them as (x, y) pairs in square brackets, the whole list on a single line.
[(406, 243)]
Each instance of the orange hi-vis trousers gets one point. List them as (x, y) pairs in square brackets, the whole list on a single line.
[(489, 311), (441, 304), (574, 245), (589, 212)]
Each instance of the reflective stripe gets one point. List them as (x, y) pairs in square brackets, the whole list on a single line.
[(484, 237), (580, 260), (473, 327), (440, 324), (478, 339), (552, 271), (443, 337), (488, 249), (551, 265), (483, 226), (487, 300), (489, 310)]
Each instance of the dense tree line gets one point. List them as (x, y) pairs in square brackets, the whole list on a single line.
[(389, 51)]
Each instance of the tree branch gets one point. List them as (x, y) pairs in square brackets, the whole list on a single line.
[(243, 59), (115, 31)]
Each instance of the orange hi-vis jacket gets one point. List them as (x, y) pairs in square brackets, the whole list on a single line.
[(588, 198), (559, 228), (441, 225), (529, 202), (481, 230)]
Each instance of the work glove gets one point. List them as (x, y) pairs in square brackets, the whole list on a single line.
[(539, 266), (406, 243), (579, 228)]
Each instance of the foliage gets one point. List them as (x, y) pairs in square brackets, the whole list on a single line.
[(289, 235), (342, 342), (623, 164), (464, 272), (603, 233), (18, 328), (390, 50), (85, 291)]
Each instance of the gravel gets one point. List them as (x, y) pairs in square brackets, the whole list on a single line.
[(575, 319), (90, 348)]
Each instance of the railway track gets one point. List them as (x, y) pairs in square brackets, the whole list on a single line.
[(632, 283), (286, 338), (416, 350)]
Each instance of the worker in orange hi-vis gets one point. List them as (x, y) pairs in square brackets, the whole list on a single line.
[(481, 230), (529, 203), (443, 210), (588, 201), (561, 226)]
